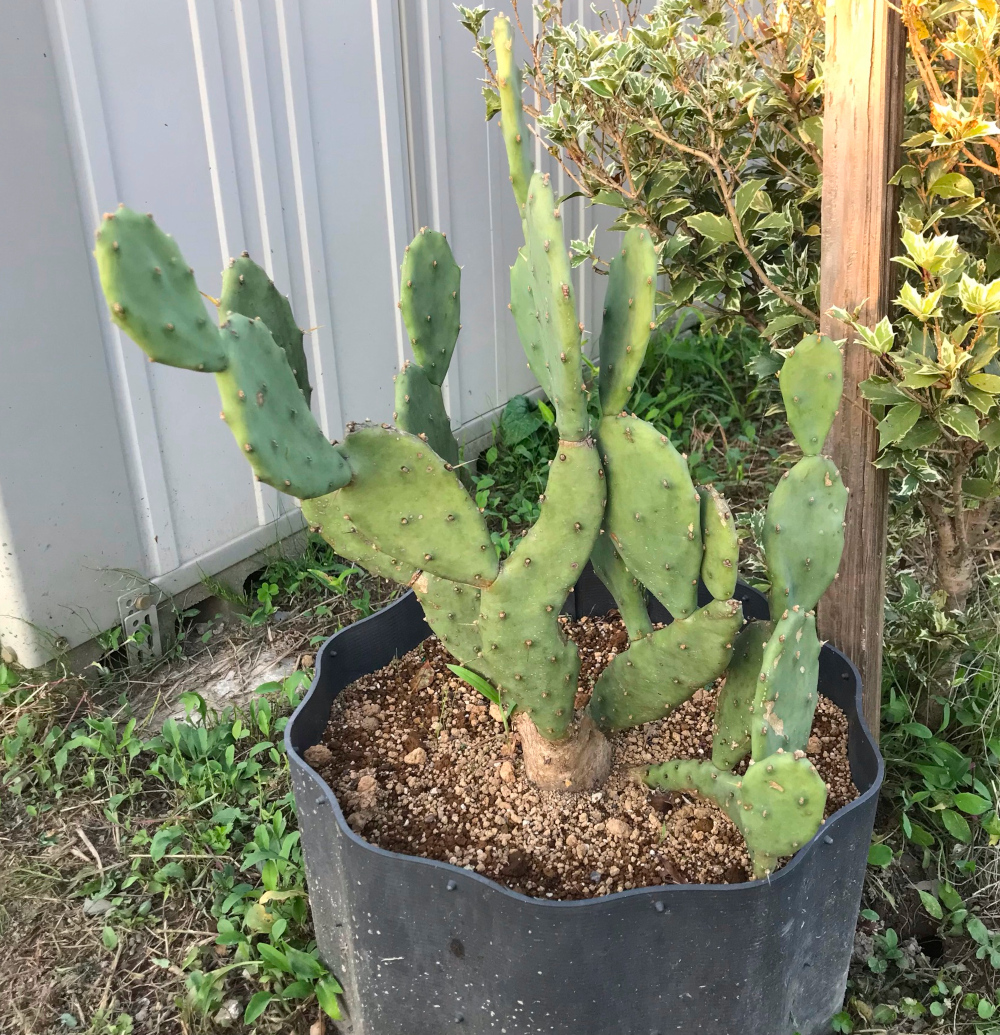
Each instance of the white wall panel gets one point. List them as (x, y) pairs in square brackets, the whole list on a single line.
[(319, 136)]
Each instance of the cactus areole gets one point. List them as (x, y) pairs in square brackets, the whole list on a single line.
[(390, 499)]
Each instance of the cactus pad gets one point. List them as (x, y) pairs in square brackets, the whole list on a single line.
[(420, 411), (247, 289), (659, 672), (654, 513), (405, 500), (152, 293), (786, 691), (812, 380), (526, 317), (324, 516), (515, 134), (452, 611), (804, 533), (628, 318), (734, 710), (429, 301), (720, 542), (777, 806), (552, 290), (268, 416), (535, 665), (623, 586)]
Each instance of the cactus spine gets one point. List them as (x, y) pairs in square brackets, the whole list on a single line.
[(390, 500)]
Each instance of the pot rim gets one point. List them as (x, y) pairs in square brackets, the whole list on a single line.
[(661, 889)]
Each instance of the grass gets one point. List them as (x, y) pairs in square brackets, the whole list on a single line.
[(153, 874)]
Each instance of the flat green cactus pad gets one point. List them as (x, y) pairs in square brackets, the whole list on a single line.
[(452, 611), (404, 499), (777, 806), (804, 533), (553, 294), (665, 668), (430, 302), (527, 317), (786, 692), (247, 289), (152, 294), (536, 667), (628, 318), (325, 517), (812, 380), (734, 710), (623, 586), (654, 513), (420, 411), (721, 544), (268, 416)]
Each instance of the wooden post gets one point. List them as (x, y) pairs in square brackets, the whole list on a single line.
[(863, 117)]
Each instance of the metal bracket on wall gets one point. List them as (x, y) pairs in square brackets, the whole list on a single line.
[(141, 624)]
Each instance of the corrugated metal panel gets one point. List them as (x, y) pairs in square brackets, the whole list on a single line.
[(316, 135)]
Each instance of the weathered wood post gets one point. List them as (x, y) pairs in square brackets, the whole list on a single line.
[(863, 116)]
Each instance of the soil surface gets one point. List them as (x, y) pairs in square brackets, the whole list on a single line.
[(421, 767)]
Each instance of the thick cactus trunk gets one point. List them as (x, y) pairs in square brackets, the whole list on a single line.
[(580, 761)]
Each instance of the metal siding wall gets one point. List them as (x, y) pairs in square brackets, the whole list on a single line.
[(317, 135)]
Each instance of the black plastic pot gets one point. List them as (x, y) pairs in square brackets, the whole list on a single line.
[(422, 947)]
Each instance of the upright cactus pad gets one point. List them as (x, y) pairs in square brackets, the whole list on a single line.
[(405, 500), (515, 134), (528, 319), (430, 303), (268, 416), (665, 668), (804, 533), (552, 291), (786, 692), (812, 381), (628, 318), (247, 289), (452, 611), (152, 294), (777, 805), (420, 411), (535, 665), (623, 586), (654, 513), (734, 709), (720, 542)]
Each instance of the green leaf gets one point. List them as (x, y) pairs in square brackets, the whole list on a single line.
[(304, 966), (109, 938), (882, 391), (952, 185), (917, 729), (477, 682), (932, 905), (879, 855), (258, 1004), (949, 896), (745, 195), (273, 957), (327, 991), (957, 825), (162, 840), (961, 419), (519, 420), (977, 930), (923, 434), (972, 804), (985, 382), (897, 422), (715, 228), (985, 1009), (990, 434)]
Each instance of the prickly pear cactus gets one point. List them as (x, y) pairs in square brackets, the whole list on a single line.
[(619, 494)]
